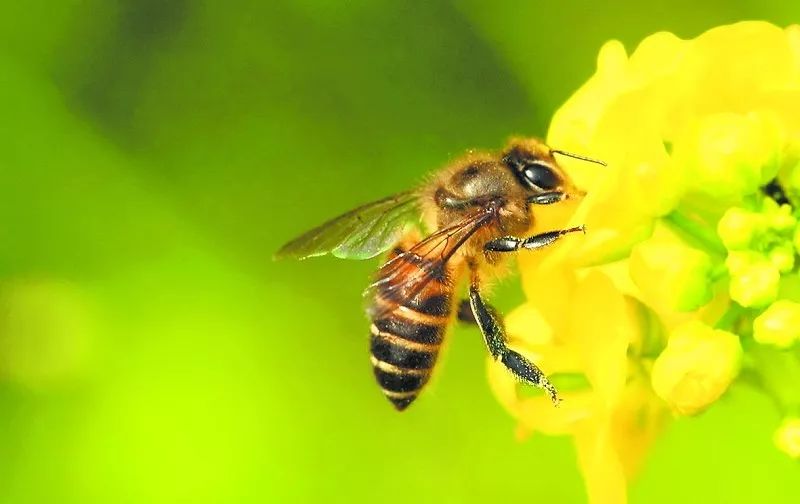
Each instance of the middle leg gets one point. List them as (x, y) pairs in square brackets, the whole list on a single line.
[(495, 337)]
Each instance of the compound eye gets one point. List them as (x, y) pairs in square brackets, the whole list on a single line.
[(540, 176)]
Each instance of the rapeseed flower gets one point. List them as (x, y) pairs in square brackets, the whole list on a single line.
[(687, 274)]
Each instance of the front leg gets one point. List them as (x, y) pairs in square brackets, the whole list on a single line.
[(513, 244), (548, 198), (494, 334)]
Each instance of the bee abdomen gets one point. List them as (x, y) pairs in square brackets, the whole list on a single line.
[(402, 366), (405, 342)]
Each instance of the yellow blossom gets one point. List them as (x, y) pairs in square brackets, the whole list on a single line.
[(671, 274), (729, 155), (696, 367), (646, 116), (756, 284), (782, 258), (779, 325), (787, 437), (596, 328), (738, 227), (689, 128), (796, 240)]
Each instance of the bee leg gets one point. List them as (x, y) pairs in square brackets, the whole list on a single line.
[(548, 198), (465, 314), (494, 334), (513, 244)]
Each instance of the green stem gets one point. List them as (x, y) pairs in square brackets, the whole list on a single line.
[(729, 319), (695, 233), (751, 378), (718, 272), (779, 371)]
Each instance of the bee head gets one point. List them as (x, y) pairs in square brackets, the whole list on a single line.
[(535, 168)]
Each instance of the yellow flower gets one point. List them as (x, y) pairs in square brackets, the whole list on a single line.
[(779, 325), (688, 129), (730, 155), (714, 114), (787, 437), (696, 367), (755, 284), (587, 336), (671, 274), (738, 227)]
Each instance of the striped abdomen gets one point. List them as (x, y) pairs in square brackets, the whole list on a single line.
[(407, 333)]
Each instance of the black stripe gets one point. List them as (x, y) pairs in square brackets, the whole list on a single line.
[(437, 305), (401, 403), (400, 356), (412, 331), (395, 382)]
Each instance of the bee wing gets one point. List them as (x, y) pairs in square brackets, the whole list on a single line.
[(359, 234), (407, 273)]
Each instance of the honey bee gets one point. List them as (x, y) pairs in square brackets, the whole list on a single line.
[(478, 210)]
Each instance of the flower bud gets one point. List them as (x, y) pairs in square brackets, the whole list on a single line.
[(738, 227), (787, 437), (739, 261), (779, 325), (792, 178), (782, 257), (780, 218), (671, 274), (796, 239), (755, 284), (696, 367), (730, 153)]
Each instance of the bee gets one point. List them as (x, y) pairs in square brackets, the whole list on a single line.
[(478, 210)]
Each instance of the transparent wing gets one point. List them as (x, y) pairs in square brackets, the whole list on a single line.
[(359, 234), (407, 273)]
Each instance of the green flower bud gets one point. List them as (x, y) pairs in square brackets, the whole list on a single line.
[(792, 180), (796, 239), (779, 325), (730, 154), (671, 274), (769, 206), (739, 261), (738, 227), (782, 257), (756, 284), (696, 367), (781, 219)]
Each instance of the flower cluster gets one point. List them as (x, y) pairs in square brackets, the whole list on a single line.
[(687, 279)]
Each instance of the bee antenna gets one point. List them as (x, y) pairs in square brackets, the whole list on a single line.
[(578, 156)]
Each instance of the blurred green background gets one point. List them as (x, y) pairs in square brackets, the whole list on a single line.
[(153, 156)]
